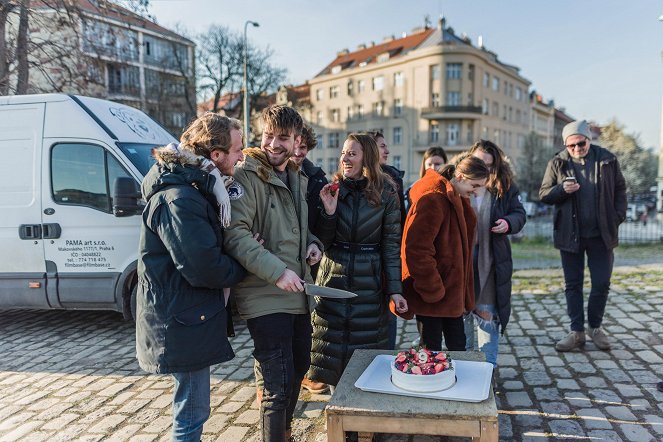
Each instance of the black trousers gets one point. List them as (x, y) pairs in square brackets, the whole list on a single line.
[(432, 329)]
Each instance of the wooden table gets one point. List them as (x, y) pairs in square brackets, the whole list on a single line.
[(351, 409)]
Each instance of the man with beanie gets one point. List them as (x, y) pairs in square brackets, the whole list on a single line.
[(587, 188), (183, 271)]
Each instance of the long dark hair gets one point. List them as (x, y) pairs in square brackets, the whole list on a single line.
[(501, 176), (433, 151)]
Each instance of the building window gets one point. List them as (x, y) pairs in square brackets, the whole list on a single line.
[(360, 111), (397, 135), (398, 79), (350, 88), (378, 83), (496, 109), (452, 134), (336, 115), (177, 119), (453, 98), (434, 132), (435, 99), (320, 118), (397, 162), (333, 138), (336, 69), (361, 86), (319, 94), (332, 165), (319, 138), (518, 116), (496, 137), (519, 94), (351, 112), (454, 71), (398, 107), (435, 72), (383, 57), (486, 79), (510, 114), (496, 84), (378, 108), (506, 88), (484, 106), (504, 112), (334, 91), (123, 80), (319, 162)]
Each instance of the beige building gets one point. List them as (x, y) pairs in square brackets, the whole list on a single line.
[(542, 118), (428, 88), (100, 49)]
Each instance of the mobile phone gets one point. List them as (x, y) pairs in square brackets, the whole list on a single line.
[(570, 179)]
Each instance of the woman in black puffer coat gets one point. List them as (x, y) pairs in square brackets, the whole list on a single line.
[(361, 234)]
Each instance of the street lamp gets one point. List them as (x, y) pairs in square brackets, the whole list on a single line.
[(247, 124)]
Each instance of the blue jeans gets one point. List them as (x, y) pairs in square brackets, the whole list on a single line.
[(190, 404), (599, 260), (488, 332), (283, 349)]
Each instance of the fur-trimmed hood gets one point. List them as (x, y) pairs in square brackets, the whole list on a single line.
[(261, 164), (169, 154)]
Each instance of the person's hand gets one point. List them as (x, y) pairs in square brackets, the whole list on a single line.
[(261, 241), (290, 282), (313, 254), (570, 186), (329, 198), (400, 302), (501, 226)]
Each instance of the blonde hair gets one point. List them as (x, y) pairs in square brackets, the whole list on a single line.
[(470, 167), (208, 133)]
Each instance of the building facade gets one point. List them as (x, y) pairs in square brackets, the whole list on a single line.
[(114, 54), (424, 89)]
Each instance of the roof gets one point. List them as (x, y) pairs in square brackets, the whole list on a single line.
[(563, 116), (227, 102), (395, 48), (108, 9)]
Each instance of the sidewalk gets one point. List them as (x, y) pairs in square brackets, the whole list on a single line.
[(73, 376)]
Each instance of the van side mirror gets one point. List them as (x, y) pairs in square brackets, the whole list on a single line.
[(127, 199)]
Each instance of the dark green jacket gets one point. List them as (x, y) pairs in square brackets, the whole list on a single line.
[(611, 193), (341, 326), (182, 269)]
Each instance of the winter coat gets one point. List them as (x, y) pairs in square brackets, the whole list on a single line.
[(182, 270), (611, 194), (397, 176), (342, 325), (511, 210), (316, 181), (262, 203), (438, 275)]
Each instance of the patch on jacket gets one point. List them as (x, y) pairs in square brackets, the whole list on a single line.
[(235, 191)]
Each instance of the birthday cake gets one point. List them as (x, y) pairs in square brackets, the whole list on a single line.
[(422, 370)]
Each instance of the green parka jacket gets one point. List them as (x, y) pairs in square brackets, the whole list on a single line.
[(262, 203)]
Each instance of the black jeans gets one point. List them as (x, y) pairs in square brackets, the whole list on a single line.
[(432, 328), (599, 260), (283, 349)]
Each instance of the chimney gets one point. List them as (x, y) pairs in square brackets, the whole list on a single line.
[(480, 41), (342, 52), (441, 23), (361, 46)]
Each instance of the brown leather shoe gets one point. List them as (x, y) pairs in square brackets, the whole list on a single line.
[(599, 337), (315, 387), (572, 340)]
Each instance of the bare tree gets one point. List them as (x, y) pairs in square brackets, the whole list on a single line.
[(532, 164), (263, 75)]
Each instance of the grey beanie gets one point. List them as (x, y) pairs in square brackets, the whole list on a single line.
[(579, 127)]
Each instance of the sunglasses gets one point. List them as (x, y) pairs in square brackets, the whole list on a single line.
[(580, 144)]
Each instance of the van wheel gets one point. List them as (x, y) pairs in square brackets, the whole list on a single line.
[(132, 301)]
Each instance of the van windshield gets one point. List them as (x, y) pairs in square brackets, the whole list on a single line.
[(139, 154)]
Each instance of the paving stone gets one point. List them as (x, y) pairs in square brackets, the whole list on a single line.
[(555, 408), (593, 418), (636, 433), (578, 399), (567, 384), (216, 423), (513, 385), (604, 435), (565, 428), (605, 396), (547, 394), (158, 425), (538, 378), (518, 399), (629, 390), (593, 382), (656, 423), (248, 417), (233, 433), (230, 407)]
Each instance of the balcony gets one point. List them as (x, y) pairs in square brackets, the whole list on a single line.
[(451, 112)]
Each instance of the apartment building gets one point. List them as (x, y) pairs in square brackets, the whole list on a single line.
[(542, 118), (431, 87), (114, 54)]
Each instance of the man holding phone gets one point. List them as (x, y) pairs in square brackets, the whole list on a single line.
[(585, 184)]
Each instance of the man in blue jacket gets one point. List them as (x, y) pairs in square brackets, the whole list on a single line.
[(182, 268)]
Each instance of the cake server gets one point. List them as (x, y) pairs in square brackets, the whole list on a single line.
[(326, 292)]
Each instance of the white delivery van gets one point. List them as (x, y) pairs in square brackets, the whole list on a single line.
[(69, 200)]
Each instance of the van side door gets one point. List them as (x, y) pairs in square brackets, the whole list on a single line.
[(88, 245)]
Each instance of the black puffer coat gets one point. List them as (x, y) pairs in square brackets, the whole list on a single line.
[(340, 326), (182, 269)]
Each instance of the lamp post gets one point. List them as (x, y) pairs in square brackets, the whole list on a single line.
[(247, 123)]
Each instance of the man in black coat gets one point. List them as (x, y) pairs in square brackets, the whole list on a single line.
[(587, 187), (183, 271)]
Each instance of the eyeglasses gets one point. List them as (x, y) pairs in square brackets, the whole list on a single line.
[(580, 144)]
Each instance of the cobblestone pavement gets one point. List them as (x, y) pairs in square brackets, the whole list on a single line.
[(73, 376)]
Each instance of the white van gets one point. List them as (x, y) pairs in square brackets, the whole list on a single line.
[(69, 200)]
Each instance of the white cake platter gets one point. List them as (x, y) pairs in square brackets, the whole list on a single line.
[(472, 381)]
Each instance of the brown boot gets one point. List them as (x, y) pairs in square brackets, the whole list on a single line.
[(573, 340), (599, 337), (315, 387)]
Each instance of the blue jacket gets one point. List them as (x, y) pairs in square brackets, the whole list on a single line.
[(182, 270)]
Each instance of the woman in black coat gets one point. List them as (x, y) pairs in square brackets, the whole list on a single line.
[(499, 214), (361, 234)]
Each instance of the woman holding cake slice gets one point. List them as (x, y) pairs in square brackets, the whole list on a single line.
[(436, 252), (499, 214)]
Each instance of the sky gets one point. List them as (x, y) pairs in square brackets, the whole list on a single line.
[(598, 59)]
